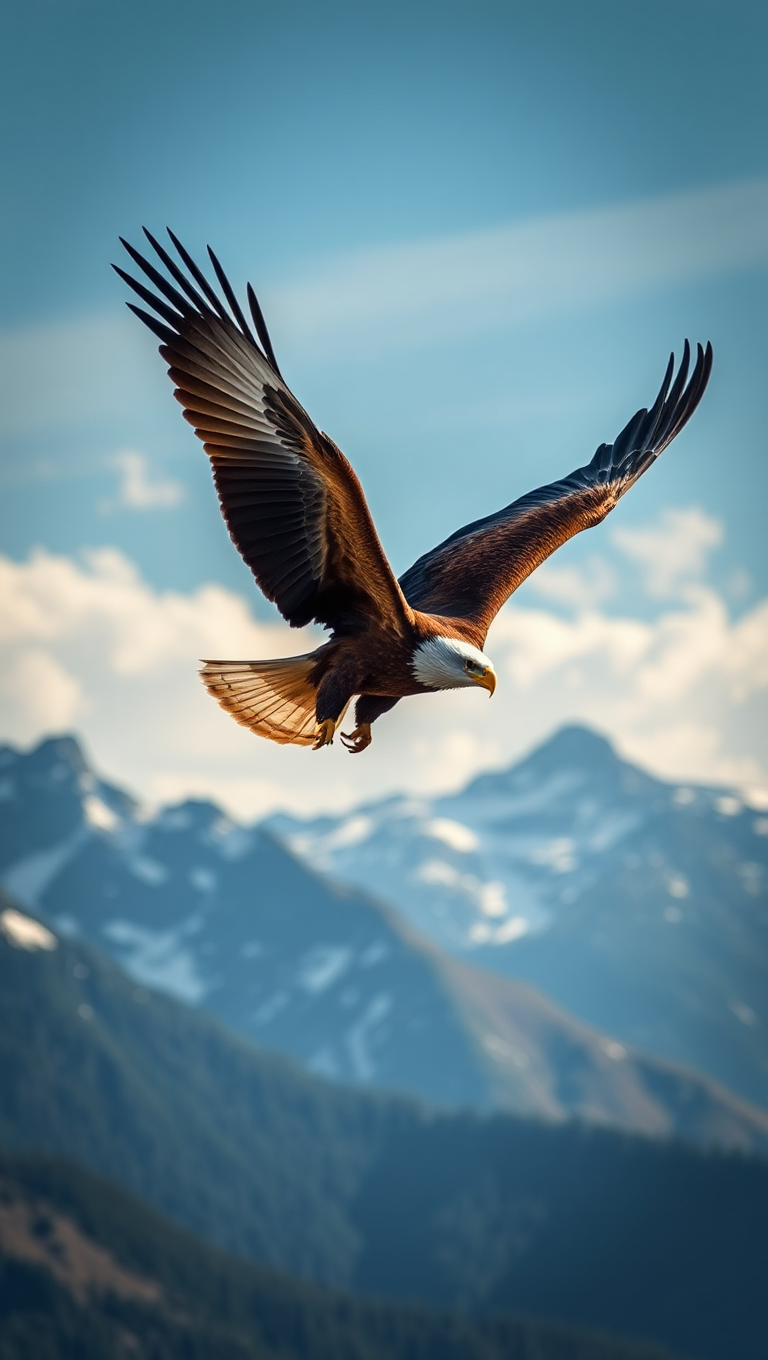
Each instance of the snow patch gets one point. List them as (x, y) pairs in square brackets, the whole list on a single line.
[(454, 834), (203, 879), (513, 929), (360, 1037), (160, 958), (148, 870), (488, 898), (270, 1008), (28, 879), (506, 1052), (557, 855), (98, 815), (322, 967), (613, 1050), (24, 933), (232, 842), (728, 805), (353, 831)]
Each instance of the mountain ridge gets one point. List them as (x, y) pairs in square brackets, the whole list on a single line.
[(226, 918)]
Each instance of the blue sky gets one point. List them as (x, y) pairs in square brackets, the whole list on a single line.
[(477, 232)]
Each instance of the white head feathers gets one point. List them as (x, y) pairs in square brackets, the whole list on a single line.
[(447, 663)]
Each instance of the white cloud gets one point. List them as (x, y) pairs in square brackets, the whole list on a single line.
[(578, 587), (89, 645), (137, 489), (673, 551)]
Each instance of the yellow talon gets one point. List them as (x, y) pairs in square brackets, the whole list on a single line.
[(325, 731), (358, 740)]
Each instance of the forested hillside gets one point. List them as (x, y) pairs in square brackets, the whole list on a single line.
[(90, 1273), (651, 1240)]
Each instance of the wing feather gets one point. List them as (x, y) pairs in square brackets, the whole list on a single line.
[(470, 575), (293, 505)]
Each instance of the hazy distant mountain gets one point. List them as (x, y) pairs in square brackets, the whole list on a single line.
[(640, 906), (376, 1194), (228, 919)]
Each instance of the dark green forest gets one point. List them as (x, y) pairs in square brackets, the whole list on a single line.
[(378, 1195), (214, 1307)]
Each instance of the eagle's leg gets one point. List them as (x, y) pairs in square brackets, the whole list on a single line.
[(333, 697), (368, 708)]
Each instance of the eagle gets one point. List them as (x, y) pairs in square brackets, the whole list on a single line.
[(297, 514)]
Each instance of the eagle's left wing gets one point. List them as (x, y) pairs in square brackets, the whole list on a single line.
[(473, 573)]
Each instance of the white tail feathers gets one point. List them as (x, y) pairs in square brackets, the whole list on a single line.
[(276, 699)]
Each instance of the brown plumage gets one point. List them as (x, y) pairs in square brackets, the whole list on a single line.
[(297, 514)]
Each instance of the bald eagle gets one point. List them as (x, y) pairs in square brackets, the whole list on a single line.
[(297, 514)]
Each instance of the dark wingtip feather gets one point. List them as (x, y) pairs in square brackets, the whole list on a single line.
[(261, 328), (199, 277), (162, 332), (693, 393), (656, 412), (178, 274), (229, 293), (161, 283), (154, 302)]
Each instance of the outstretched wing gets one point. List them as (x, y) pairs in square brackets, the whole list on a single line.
[(474, 572), (294, 508)]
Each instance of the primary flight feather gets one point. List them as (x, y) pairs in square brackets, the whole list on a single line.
[(297, 514)]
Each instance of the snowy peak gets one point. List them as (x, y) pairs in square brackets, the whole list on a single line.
[(640, 906)]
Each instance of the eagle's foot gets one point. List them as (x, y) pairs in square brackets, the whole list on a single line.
[(325, 731), (357, 741)]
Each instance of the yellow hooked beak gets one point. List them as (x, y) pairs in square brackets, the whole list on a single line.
[(487, 680)]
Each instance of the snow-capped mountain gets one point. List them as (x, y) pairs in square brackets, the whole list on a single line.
[(640, 906), (228, 919)]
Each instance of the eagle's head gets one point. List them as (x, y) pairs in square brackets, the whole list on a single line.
[(448, 663)]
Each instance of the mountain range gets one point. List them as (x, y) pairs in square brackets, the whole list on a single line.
[(648, 1239), (639, 906), (228, 918)]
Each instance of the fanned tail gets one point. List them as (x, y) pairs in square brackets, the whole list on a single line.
[(275, 699)]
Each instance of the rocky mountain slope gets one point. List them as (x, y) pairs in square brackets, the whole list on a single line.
[(228, 919), (640, 906), (647, 1239)]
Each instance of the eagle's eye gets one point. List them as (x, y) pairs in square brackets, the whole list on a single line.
[(474, 668)]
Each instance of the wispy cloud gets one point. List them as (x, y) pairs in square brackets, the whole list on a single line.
[(500, 278), (137, 489), (86, 369), (70, 371)]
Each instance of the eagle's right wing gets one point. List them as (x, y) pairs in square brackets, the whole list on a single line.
[(471, 575), (293, 505)]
